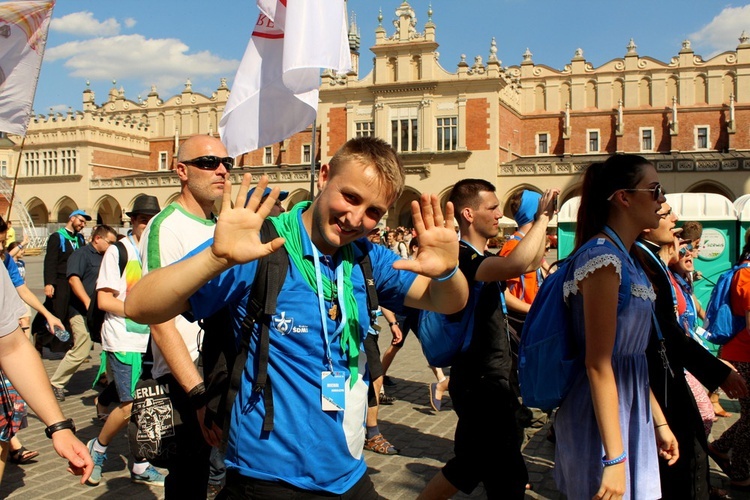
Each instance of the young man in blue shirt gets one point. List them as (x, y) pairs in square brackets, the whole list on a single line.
[(322, 317)]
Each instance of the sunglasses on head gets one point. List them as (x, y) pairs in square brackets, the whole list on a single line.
[(656, 191), (210, 162)]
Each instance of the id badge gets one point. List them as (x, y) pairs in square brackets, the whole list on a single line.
[(333, 395)]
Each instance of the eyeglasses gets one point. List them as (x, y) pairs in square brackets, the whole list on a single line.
[(656, 191), (210, 162)]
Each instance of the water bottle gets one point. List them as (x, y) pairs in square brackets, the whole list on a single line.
[(62, 335)]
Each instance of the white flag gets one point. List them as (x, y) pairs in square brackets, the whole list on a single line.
[(275, 90), (23, 34)]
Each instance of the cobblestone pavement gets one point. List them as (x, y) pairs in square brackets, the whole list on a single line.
[(424, 437)]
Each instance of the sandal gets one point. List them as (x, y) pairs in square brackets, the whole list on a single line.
[(22, 455), (379, 444)]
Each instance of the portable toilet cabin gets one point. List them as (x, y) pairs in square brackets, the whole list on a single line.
[(742, 206), (566, 226), (718, 246)]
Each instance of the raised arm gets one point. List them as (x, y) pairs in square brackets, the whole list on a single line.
[(163, 293), (529, 251), (441, 286)]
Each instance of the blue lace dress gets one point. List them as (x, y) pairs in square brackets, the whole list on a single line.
[(579, 450)]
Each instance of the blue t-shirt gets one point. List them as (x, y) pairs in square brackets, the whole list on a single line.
[(15, 275), (308, 448)]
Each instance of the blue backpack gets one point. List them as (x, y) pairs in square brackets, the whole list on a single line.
[(443, 336), (548, 359), (722, 324)]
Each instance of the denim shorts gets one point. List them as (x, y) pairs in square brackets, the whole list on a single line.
[(122, 375)]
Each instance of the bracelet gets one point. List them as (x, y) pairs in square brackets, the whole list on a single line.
[(65, 424), (197, 396), (660, 425), (391, 323), (614, 461), (446, 278)]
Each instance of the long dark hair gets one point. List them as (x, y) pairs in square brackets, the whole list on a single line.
[(600, 181), (745, 253)]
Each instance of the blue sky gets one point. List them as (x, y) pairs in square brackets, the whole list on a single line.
[(140, 43)]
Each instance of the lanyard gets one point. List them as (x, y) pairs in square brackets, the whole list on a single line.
[(666, 271), (321, 302), (503, 305), (135, 246), (662, 348)]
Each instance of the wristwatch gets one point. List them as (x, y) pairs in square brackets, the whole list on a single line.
[(391, 323), (65, 424)]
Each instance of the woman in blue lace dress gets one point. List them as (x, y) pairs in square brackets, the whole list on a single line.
[(609, 428)]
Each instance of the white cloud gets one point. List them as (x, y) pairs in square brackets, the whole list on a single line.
[(165, 62), (723, 31), (84, 24), (129, 22)]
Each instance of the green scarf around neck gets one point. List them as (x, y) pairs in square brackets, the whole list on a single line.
[(74, 239), (288, 226)]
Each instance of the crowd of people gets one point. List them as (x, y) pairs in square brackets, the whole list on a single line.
[(256, 357)]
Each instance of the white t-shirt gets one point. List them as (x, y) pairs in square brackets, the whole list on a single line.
[(169, 236), (120, 334), (11, 307)]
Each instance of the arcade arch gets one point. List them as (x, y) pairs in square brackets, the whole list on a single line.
[(64, 207), (108, 211)]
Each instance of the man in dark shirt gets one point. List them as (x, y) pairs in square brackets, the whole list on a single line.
[(60, 245), (486, 446), (688, 478), (83, 270)]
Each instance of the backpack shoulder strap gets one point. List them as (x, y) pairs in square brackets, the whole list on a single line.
[(261, 306), (372, 294), (122, 253)]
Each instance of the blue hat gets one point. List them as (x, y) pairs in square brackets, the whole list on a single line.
[(528, 207), (80, 213), (266, 192)]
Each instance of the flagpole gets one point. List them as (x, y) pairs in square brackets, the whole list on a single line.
[(15, 178), (313, 154)]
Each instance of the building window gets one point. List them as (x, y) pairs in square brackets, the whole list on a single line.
[(447, 134), (4, 168), (163, 157), (701, 137), (50, 162), (542, 144), (306, 157), (593, 141), (404, 129), (268, 156), (647, 139), (364, 129)]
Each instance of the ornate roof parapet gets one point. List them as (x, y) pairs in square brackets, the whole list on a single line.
[(354, 34), (494, 65), (462, 68), (686, 49), (527, 58)]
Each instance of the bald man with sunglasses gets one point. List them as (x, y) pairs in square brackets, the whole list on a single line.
[(202, 167)]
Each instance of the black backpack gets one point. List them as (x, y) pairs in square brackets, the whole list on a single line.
[(224, 363), (94, 315)]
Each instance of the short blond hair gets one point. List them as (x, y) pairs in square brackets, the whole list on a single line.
[(375, 152)]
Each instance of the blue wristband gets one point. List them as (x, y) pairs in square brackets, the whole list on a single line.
[(614, 461), (446, 278)]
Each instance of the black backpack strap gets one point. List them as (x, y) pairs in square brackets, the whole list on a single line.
[(261, 306), (122, 253), (372, 294)]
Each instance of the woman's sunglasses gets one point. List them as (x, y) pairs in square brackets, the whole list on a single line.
[(656, 191)]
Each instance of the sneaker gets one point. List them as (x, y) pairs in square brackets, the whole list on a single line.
[(99, 458), (150, 476), (388, 381), (59, 393)]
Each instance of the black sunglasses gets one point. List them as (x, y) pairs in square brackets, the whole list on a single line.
[(656, 191), (211, 162)]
